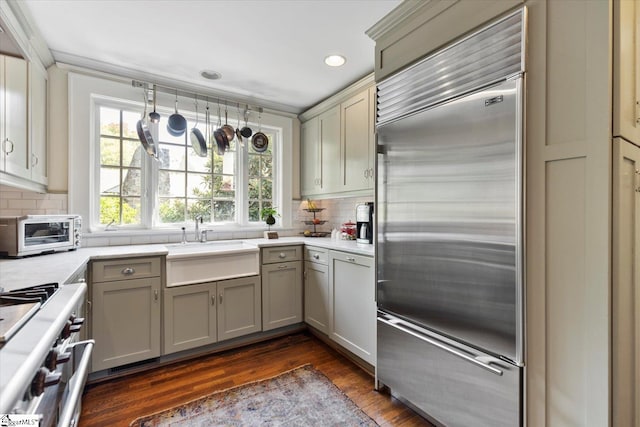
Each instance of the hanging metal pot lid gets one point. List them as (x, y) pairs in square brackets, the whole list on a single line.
[(227, 128), (246, 130), (198, 142)]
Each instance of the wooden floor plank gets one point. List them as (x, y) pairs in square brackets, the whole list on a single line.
[(119, 401)]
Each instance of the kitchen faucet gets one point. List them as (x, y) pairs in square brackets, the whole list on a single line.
[(198, 219)]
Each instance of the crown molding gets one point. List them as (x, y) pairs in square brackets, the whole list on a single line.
[(109, 71), (19, 23), (337, 98), (399, 15)]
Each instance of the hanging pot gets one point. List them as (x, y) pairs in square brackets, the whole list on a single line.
[(144, 135), (154, 117), (198, 143), (246, 130), (227, 128), (238, 134), (221, 138), (260, 141), (176, 124)]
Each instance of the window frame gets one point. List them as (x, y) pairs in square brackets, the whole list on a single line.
[(150, 171)]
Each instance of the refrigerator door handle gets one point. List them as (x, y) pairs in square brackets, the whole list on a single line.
[(397, 323)]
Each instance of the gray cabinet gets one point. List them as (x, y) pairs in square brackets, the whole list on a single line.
[(190, 318), (356, 133), (202, 314), (338, 143), (125, 317), (626, 70), (281, 286), (352, 323), (38, 123), (310, 157), (316, 288), (13, 119), (238, 307), (625, 285)]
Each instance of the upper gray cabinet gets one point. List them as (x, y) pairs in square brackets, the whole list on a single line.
[(626, 70), (415, 28), (337, 144)]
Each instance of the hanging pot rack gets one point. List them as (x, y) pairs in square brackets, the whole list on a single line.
[(189, 94)]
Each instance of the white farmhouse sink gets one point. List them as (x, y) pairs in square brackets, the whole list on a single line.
[(208, 262)]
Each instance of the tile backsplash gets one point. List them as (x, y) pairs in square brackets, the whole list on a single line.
[(15, 202), (336, 211)]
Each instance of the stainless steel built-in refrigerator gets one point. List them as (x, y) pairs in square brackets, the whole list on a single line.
[(450, 288)]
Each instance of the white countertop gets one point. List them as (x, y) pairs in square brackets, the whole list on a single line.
[(59, 267)]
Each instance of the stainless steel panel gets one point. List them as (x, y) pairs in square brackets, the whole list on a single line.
[(446, 387), (449, 219), (485, 57)]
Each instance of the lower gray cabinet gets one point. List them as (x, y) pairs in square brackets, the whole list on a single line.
[(281, 287), (125, 313), (316, 288), (202, 314), (353, 307)]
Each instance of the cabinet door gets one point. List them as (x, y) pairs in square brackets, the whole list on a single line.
[(125, 322), (38, 123), (353, 308), (189, 317), (373, 111), (316, 296), (14, 141), (310, 156), (281, 294), (626, 70), (625, 292), (239, 307), (355, 131), (329, 124)]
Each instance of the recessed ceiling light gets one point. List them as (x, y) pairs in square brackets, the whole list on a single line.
[(335, 60), (211, 75)]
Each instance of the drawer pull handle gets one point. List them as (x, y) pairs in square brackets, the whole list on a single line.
[(282, 255), (350, 259), (155, 295), (213, 300), (220, 299), (316, 256), (128, 271), (282, 267)]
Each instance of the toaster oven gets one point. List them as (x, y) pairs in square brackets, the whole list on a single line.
[(22, 236)]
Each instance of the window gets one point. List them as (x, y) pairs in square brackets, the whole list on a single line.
[(223, 189), (120, 167)]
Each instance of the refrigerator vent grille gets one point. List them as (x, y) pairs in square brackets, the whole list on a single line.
[(483, 58)]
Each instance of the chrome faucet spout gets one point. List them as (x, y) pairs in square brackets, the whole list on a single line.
[(198, 222)]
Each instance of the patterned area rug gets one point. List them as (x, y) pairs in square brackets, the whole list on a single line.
[(301, 397)]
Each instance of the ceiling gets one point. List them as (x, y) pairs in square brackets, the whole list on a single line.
[(268, 51)]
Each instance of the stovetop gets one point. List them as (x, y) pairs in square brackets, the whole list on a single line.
[(19, 305)]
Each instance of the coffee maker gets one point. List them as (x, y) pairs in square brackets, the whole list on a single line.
[(364, 223)]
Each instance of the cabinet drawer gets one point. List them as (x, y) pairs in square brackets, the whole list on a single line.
[(281, 254), (124, 269), (316, 255)]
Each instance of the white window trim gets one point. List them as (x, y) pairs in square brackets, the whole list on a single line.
[(86, 92)]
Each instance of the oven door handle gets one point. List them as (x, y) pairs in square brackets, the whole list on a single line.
[(81, 370)]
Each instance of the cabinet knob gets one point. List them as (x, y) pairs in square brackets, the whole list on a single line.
[(128, 271), (316, 256), (282, 255)]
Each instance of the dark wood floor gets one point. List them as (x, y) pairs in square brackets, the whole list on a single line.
[(118, 402)]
